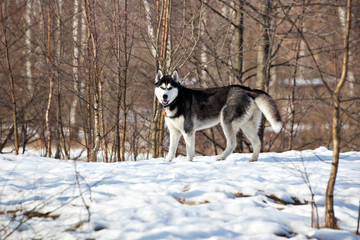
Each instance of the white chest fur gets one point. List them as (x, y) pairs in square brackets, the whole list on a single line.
[(169, 113), (177, 123)]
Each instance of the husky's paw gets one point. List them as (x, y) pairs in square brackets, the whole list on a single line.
[(189, 159), (168, 160), (219, 158)]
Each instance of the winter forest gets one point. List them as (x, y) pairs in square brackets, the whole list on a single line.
[(77, 83), (77, 76)]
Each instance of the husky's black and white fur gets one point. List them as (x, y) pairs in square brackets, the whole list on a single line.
[(234, 107)]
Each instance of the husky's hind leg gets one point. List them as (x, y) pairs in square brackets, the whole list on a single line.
[(230, 135), (250, 129), (253, 137)]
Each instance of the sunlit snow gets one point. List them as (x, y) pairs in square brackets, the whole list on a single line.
[(151, 199)]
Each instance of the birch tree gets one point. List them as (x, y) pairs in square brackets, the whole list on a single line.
[(239, 40), (350, 76), (163, 62), (238, 61), (336, 126), (76, 34), (263, 61), (117, 49), (92, 48), (28, 65), (125, 79), (51, 82)]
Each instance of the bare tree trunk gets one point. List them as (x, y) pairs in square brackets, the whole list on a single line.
[(134, 142), (117, 36), (336, 126), (117, 129), (164, 63), (92, 34), (89, 125), (28, 71), (51, 83), (263, 46), (76, 34), (350, 76), (124, 107), (102, 122), (292, 98), (213, 141), (89, 128), (155, 128), (28, 66), (11, 79), (97, 96), (203, 59), (154, 50), (262, 73), (150, 29), (97, 119), (61, 144), (238, 63), (295, 73), (125, 79), (100, 139), (239, 40)]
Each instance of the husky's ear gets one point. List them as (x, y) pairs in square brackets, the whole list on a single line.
[(175, 75), (159, 75)]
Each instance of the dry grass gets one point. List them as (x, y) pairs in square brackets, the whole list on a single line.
[(183, 201), (30, 214)]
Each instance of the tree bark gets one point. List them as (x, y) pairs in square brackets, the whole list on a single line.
[(76, 34), (164, 63), (239, 40), (350, 75), (92, 34), (51, 83), (28, 64), (11, 80), (102, 122), (100, 83), (238, 62), (295, 73), (262, 78), (336, 126), (262, 71), (117, 46), (61, 137), (125, 78)]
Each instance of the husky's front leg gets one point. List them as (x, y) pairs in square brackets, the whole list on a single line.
[(174, 140), (190, 145)]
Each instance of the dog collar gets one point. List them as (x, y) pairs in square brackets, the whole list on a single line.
[(164, 106)]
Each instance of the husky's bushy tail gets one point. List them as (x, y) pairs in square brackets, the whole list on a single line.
[(268, 107)]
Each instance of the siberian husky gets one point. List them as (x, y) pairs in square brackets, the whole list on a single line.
[(235, 107)]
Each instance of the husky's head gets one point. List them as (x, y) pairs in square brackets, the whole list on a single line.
[(166, 87)]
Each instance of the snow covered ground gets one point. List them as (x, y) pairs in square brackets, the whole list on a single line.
[(45, 198)]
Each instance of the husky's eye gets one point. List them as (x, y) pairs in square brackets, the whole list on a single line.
[(170, 88), (162, 88)]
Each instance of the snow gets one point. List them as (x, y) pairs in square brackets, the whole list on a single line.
[(152, 199)]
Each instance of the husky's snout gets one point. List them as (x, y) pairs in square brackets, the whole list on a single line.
[(165, 99)]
